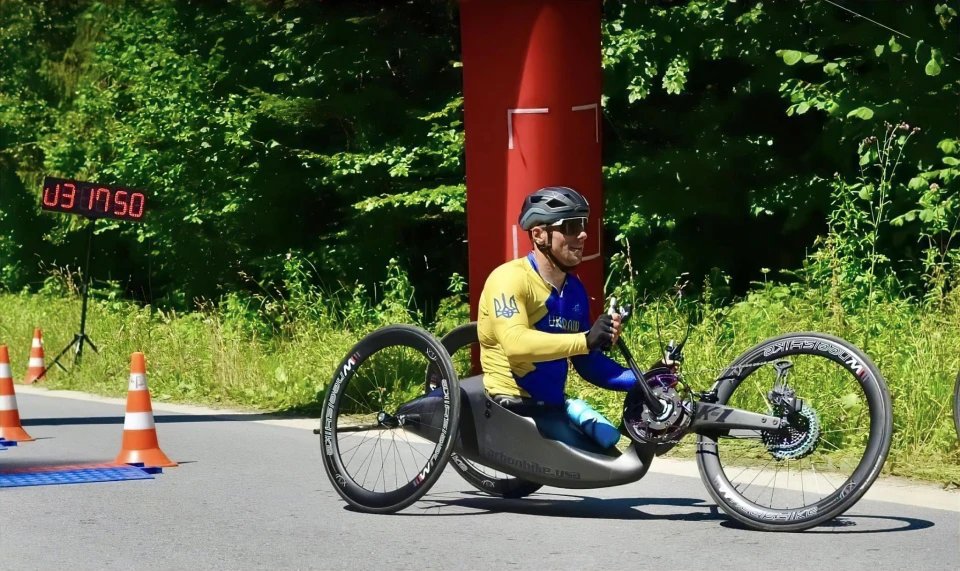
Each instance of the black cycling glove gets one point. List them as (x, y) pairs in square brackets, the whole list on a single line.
[(600, 335)]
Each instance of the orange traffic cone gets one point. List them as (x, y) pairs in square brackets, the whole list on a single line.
[(140, 443), (9, 415), (35, 367)]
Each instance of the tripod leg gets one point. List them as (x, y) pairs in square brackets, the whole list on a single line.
[(56, 360), (90, 343), (81, 339), (86, 294)]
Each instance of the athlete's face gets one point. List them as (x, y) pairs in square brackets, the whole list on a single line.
[(567, 238)]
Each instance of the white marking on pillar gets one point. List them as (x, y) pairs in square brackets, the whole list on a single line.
[(596, 117), (520, 111)]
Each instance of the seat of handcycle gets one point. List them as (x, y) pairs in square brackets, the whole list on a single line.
[(487, 428), (550, 423), (545, 449)]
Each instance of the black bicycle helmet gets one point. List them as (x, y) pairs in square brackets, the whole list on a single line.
[(550, 204)]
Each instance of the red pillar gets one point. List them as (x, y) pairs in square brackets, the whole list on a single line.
[(532, 85)]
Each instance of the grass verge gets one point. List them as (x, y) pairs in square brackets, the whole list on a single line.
[(217, 359)]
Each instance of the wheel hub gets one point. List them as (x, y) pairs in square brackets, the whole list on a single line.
[(643, 426), (387, 420), (798, 437)]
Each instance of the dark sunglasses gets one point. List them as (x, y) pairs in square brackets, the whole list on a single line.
[(570, 226)]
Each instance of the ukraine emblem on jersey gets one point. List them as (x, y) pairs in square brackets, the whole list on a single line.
[(504, 308)]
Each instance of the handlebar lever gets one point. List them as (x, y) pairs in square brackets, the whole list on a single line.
[(652, 402)]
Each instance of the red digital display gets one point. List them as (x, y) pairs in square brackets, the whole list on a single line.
[(93, 200)]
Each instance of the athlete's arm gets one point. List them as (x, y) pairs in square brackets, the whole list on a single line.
[(601, 370), (604, 372)]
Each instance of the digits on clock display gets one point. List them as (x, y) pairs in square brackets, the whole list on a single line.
[(93, 200)]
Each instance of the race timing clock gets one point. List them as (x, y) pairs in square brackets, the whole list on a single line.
[(93, 200)]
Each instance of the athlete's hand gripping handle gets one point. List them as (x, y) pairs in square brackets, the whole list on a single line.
[(606, 329), (600, 336)]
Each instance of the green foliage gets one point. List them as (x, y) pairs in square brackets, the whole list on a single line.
[(255, 128), (448, 198), (273, 350), (397, 305), (866, 254), (335, 131), (771, 101), (454, 310)]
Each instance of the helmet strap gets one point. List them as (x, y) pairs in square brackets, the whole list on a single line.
[(547, 250)]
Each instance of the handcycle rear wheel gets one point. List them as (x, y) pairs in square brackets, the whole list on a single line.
[(458, 344), (832, 450), (372, 460)]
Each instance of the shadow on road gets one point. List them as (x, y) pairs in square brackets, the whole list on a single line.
[(160, 418), (574, 506), (849, 524)]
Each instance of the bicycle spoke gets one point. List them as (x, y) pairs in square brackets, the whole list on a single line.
[(817, 451)]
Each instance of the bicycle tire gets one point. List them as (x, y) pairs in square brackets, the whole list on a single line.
[(956, 406), (712, 449), (483, 478), (340, 432)]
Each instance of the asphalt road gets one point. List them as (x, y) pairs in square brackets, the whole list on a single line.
[(252, 494)]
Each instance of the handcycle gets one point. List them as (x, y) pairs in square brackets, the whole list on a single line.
[(791, 434)]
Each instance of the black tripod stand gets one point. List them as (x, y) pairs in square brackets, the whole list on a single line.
[(79, 338)]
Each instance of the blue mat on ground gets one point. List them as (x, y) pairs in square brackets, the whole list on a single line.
[(47, 476)]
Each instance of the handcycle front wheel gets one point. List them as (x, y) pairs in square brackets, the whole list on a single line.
[(828, 453), (375, 455), (459, 343), (956, 406)]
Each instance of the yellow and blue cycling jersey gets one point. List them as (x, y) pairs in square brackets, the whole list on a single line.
[(528, 330)]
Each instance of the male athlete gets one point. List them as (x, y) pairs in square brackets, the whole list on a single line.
[(533, 316)]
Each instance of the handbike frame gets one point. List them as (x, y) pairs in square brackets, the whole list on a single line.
[(474, 432), (547, 450), (707, 417), (503, 440)]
